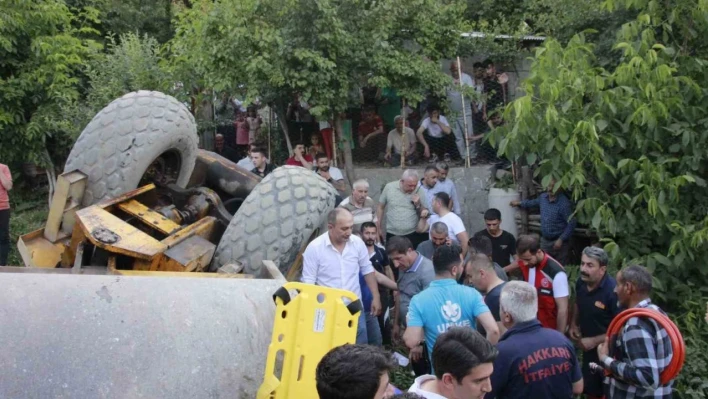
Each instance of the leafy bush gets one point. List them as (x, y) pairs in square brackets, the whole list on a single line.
[(128, 64), (42, 53), (629, 143), (131, 63)]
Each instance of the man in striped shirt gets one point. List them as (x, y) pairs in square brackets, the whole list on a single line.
[(642, 350), (362, 207)]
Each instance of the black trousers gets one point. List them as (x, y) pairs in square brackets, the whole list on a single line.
[(442, 145), (422, 366), (4, 236)]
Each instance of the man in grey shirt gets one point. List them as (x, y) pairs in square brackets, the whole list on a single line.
[(406, 209), (414, 274), (438, 237)]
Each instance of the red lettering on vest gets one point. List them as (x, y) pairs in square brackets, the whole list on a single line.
[(547, 310)]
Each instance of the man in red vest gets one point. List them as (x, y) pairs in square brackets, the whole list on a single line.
[(548, 276)]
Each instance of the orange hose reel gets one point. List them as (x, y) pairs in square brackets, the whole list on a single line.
[(677, 344)]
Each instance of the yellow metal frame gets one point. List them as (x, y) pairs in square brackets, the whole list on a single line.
[(46, 247), (185, 249), (176, 249), (306, 327)]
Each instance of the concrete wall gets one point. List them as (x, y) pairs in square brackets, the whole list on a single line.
[(471, 183)]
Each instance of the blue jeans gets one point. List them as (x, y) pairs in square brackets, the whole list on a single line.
[(373, 330), (361, 336)]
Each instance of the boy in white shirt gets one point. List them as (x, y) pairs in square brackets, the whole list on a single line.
[(438, 135)]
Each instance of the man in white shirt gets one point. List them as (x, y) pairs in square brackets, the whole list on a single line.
[(402, 140), (455, 227), (247, 163), (463, 361), (332, 174), (436, 132), (335, 259)]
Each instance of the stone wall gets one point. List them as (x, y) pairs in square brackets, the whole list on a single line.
[(471, 183)]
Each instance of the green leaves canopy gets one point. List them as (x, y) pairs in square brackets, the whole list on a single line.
[(324, 50), (628, 143), (41, 55)]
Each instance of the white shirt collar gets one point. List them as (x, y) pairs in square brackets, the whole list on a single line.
[(415, 388)]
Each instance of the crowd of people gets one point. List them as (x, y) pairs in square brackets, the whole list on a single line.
[(385, 129), (469, 330)]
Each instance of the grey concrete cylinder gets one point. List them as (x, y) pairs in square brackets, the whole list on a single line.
[(99, 336)]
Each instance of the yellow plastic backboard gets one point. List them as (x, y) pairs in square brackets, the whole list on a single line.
[(306, 327)]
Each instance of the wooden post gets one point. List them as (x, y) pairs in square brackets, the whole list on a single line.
[(468, 162), (404, 138), (270, 130), (526, 187)]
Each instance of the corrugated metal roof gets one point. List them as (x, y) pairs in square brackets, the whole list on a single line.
[(480, 35)]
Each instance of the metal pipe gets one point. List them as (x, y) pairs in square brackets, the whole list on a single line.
[(404, 138)]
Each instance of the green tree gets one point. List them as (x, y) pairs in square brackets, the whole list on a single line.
[(128, 64), (118, 17), (559, 20), (42, 53), (324, 50), (629, 142)]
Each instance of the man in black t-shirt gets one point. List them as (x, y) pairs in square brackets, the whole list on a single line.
[(503, 242), (379, 259), (495, 89), (480, 274), (263, 168), (595, 307), (224, 150)]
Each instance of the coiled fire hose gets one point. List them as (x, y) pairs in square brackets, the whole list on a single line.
[(677, 344)]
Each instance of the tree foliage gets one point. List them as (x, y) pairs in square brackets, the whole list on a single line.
[(559, 20), (143, 17), (629, 143), (324, 50), (42, 52), (131, 63)]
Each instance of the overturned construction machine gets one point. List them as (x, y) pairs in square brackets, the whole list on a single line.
[(113, 301)]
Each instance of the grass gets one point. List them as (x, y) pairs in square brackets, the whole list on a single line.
[(28, 213), (401, 377)]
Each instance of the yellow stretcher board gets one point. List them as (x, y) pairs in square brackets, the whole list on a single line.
[(306, 327)]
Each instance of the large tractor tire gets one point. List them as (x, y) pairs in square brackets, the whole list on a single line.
[(276, 220), (128, 136)]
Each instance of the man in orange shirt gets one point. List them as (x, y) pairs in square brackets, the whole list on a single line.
[(5, 186)]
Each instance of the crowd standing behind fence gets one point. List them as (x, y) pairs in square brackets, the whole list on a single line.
[(438, 128)]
